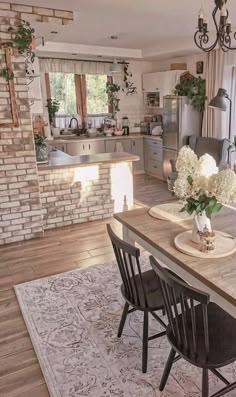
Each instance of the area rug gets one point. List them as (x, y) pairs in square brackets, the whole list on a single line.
[(72, 319)]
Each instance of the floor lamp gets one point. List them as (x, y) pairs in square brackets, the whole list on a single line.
[(220, 102)]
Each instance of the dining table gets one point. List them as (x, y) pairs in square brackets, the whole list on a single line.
[(215, 276)]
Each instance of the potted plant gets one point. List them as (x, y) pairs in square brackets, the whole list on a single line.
[(41, 148), (112, 91), (193, 88), (53, 106)]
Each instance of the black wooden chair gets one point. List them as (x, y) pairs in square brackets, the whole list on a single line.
[(200, 331), (141, 290)]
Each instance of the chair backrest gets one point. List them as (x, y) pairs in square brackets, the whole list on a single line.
[(180, 302), (127, 257), (217, 148)]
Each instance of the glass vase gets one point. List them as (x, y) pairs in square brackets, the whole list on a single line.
[(201, 224), (41, 153)]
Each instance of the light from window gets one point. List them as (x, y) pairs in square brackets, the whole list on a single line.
[(63, 88), (97, 101)]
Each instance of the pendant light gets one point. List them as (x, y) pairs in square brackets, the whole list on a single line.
[(115, 67)]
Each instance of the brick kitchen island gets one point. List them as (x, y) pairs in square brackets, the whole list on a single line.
[(77, 189)]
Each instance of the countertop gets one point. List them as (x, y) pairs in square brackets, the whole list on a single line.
[(59, 159), (66, 139)]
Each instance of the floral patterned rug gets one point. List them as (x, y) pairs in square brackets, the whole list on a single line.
[(72, 319)]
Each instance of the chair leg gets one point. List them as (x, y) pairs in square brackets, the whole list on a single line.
[(145, 342), (167, 369), (205, 383), (122, 320)]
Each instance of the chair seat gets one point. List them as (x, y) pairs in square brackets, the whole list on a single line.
[(153, 290), (222, 338)]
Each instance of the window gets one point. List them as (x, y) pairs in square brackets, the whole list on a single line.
[(62, 87), (97, 102), (82, 96)]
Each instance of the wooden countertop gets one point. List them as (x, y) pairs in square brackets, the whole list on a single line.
[(217, 274), (66, 139), (59, 159)]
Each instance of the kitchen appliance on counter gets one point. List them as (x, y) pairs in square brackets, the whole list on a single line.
[(180, 120), (147, 128), (125, 125)]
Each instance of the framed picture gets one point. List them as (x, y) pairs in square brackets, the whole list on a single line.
[(8, 116), (199, 67)]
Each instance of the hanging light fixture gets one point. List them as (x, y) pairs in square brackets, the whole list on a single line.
[(224, 34), (115, 67)]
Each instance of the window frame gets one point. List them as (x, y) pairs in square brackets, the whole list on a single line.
[(80, 95)]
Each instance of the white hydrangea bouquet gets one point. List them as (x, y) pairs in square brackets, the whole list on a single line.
[(203, 188)]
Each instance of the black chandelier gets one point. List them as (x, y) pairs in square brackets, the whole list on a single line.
[(223, 27)]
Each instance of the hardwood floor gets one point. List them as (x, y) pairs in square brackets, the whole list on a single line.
[(59, 251)]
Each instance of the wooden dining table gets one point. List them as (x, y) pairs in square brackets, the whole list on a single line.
[(214, 276)]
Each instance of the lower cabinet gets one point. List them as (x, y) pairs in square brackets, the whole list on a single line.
[(115, 145), (60, 146), (82, 148), (137, 148), (153, 156)]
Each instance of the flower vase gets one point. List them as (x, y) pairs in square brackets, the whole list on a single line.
[(41, 153), (201, 224)]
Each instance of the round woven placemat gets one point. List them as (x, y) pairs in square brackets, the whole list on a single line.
[(225, 245)]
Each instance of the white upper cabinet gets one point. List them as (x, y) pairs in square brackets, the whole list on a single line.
[(162, 82), (152, 82)]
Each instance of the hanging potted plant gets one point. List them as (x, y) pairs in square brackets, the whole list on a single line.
[(53, 105), (112, 91), (22, 42), (41, 148)]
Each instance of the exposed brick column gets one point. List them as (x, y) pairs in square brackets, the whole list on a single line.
[(20, 204)]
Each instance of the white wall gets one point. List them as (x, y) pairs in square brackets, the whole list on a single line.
[(132, 106), (190, 60)]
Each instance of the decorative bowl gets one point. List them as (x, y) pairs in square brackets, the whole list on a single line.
[(118, 132), (92, 132)]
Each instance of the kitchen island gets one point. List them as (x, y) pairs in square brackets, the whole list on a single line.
[(77, 189)]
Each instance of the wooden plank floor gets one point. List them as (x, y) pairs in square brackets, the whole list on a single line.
[(59, 251)]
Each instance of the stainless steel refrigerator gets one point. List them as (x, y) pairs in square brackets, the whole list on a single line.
[(180, 120)]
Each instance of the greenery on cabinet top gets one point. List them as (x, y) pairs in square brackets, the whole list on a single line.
[(63, 89)]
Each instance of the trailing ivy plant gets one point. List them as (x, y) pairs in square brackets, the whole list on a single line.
[(7, 74), (195, 89), (129, 86), (112, 91), (22, 35)]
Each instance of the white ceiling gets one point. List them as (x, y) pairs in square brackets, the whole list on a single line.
[(139, 24)]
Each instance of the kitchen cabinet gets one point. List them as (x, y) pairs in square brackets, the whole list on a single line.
[(60, 146), (137, 149), (82, 148), (152, 82), (162, 82), (112, 144), (153, 157)]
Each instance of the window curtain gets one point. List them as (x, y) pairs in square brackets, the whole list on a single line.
[(52, 65), (212, 121), (220, 73)]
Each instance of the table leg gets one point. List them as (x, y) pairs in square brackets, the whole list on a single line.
[(126, 236)]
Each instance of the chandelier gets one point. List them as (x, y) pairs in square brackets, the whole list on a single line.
[(223, 27)]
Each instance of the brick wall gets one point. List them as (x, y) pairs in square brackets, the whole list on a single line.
[(82, 194), (20, 204)]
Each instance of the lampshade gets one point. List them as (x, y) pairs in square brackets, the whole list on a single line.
[(115, 67), (219, 101)]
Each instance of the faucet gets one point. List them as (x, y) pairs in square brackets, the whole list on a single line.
[(73, 118)]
